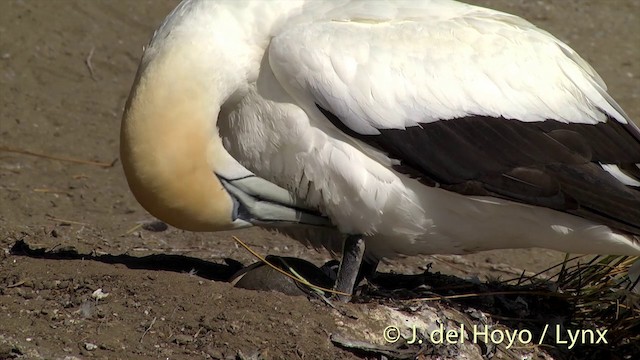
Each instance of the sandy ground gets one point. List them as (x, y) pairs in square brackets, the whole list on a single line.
[(65, 71)]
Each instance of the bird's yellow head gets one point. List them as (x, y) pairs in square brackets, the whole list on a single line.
[(170, 147), (173, 156)]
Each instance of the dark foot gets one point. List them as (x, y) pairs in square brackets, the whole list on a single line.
[(367, 270), (352, 255), (259, 276)]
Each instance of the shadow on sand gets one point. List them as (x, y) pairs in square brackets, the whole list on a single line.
[(176, 263), (516, 306)]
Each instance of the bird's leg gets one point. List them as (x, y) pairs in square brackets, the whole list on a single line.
[(352, 254)]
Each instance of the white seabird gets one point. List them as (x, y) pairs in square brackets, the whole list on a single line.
[(414, 127)]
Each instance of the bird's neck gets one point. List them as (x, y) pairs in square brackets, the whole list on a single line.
[(166, 139), (204, 55)]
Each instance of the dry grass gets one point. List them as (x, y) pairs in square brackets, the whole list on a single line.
[(600, 293)]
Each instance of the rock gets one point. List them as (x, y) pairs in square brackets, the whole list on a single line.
[(155, 226), (215, 353), (182, 339), (259, 276)]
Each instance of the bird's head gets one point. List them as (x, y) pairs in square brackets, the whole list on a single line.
[(171, 151)]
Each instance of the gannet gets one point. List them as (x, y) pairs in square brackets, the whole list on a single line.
[(386, 127)]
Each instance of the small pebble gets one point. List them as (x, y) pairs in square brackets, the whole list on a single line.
[(90, 346), (215, 353), (182, 339)]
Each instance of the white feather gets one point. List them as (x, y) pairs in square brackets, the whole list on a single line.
[(618, 174), (385, 65)]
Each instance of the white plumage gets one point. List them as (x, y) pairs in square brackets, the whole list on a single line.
[(333, 100)]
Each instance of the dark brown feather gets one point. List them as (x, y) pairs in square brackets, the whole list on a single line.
[(548, 163)]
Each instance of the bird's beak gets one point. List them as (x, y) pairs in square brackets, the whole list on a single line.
[(257, 201)]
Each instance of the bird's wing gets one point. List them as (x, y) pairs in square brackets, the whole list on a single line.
[(474, 101)]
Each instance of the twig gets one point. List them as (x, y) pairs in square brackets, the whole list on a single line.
[(15, 284), (132, 230), (87, 61), (470, 295), (66, 221), (538, 274), (163, 250), (448, 262), (51, 191), (149, 328), (300, 280), (59, 158), (362, 346)]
